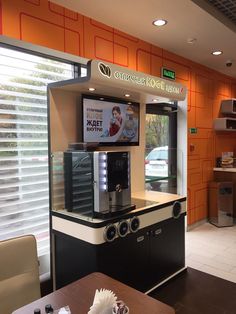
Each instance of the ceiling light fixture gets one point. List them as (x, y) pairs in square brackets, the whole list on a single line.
[(155, 100), (91, 89), (159, 22), (217, 53), (127, 95)]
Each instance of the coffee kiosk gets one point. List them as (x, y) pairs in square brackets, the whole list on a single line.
[(101, 217)]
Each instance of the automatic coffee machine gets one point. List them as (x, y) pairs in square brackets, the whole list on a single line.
[(97, 182)]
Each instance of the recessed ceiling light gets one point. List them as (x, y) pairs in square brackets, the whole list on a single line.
[(129, 103), (91, 89), (217, 52), (159, 22), (127, 95), (155, 99)]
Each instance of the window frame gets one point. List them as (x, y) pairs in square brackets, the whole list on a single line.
[(170, 110), (78, 63)]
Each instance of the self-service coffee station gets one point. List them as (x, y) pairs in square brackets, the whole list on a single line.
[(102, 219)]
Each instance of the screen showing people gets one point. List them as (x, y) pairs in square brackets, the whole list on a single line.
[(110, 122)]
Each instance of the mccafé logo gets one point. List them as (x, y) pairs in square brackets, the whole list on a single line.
[(104, 69)]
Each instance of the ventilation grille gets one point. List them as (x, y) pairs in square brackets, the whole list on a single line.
[(226, 7)]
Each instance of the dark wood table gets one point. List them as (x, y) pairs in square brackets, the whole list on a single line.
[(79, 296)]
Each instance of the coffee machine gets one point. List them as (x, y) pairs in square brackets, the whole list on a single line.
[(97, 182)]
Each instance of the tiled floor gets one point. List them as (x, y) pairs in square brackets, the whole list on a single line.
[(212, 250)]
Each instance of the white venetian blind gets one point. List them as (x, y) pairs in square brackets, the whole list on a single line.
[(24, 192)]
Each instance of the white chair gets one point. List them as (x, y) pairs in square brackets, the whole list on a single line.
[(19, 273)]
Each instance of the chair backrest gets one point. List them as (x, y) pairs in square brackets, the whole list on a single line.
[(19, 273)]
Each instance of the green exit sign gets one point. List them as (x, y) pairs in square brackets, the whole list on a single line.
[(193, 130), (168, 74)]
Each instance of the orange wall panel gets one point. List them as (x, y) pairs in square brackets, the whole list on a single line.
[(201, 197), (103, 49), (44, 23), (207, 122), (126, 36), (194, 177), (130, 45), (207, 170), (203, 148), (95, 35), (42, 32), (193, 164), (201, 212), (202, 84), (72, 42), (225, 143), (121, 55), (36, 2), (53, 7), (143, 61), (224, 88), (191, 117), (156, 64), (201, 100)]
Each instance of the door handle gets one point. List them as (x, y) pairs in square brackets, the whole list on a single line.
[(140, 239), (157, 232)]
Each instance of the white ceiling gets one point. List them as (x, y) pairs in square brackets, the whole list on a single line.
[(185, 20)]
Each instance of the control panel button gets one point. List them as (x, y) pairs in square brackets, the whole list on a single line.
[(110, 233), (123, 228), (176, 211), (134, 224)]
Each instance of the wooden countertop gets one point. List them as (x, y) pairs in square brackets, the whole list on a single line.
[(225, 169), (159, 197), (80, 294)]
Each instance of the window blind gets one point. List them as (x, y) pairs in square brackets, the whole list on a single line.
[(24, 189)]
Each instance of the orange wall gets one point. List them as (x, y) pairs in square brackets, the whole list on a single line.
[(44, 23)]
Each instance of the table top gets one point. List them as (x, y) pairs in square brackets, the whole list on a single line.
[(79, 296)]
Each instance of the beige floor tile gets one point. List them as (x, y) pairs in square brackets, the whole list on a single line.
[(212, 250)]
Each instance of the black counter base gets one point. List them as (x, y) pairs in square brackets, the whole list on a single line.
[(140, 260)]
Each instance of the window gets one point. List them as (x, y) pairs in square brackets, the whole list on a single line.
[(24, 192)]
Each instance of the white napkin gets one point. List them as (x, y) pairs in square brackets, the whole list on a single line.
[(103, 302)]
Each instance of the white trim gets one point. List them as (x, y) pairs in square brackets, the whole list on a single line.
[(95, 236), (165, 280), (78, 231), (182, 139), (43, 50), (158, 215)]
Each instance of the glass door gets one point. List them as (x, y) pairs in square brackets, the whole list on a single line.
[(161, 153)]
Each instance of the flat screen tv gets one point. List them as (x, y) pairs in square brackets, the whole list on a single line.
[(109, 121)]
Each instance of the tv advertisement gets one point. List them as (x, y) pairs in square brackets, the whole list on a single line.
[(110, 122)]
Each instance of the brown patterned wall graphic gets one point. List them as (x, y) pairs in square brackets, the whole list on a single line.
[(44, 23)]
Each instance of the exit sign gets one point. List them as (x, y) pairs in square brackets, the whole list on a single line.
[(168, 74), (193, 130)]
